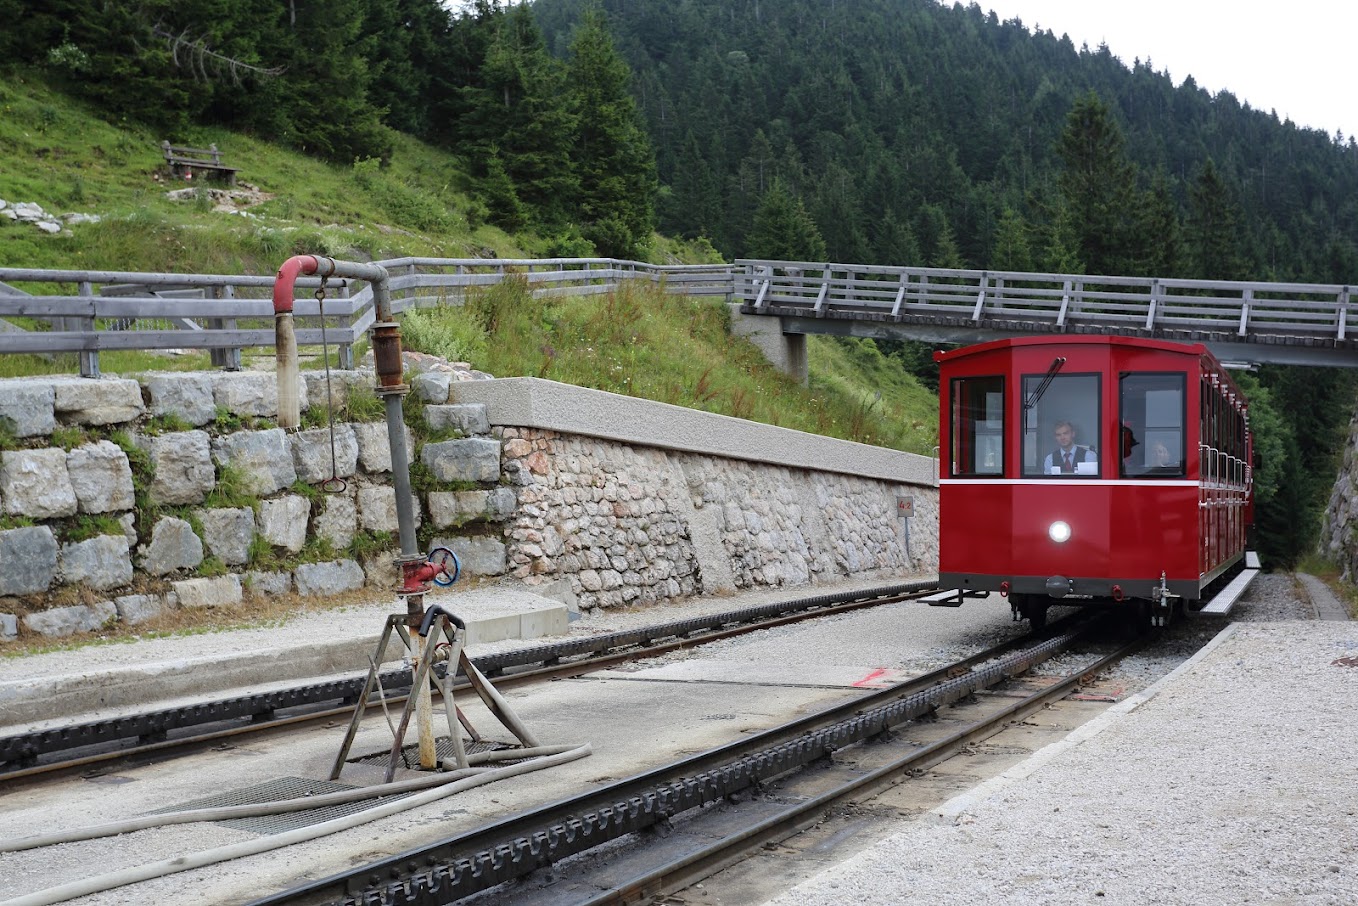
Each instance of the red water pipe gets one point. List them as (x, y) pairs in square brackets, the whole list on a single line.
[(287, 277)]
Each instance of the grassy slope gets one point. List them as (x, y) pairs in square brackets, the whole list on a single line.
[(59, 155)]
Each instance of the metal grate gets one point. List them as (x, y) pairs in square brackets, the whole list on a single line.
[(277, 790)]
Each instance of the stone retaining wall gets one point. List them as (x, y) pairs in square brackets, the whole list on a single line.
[(121, 499)]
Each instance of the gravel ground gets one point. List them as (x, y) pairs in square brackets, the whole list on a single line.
[(1231, 781)]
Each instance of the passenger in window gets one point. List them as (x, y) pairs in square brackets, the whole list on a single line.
[(1068, 455), (1160, 458)]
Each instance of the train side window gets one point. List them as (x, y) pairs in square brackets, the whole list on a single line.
[(1152, 419), (978, 426), (1061, 415)]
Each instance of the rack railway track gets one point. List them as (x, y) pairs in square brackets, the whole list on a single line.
[(167, 732), (764, 770)]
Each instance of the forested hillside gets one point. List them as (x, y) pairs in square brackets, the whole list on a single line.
[(921, 133), (873, 131), (909, 132)]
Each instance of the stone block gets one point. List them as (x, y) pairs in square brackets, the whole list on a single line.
[(337, 520), (283, 521), (333, 578), (136, 609), (101, 478), (478, 556), (251, 392), (174, 546), (374, 446), (35, 483), (28, 560), (341, 382), (183, 466), (432, 386), (471, 459), (28, 406), (187, 395), (97, 401), (469, 418), (63, 621), (311, 453), (381, 570), (377, 509), (443, 509), (261, 457), (459, 507), (270, 584), (221, 591), (9, 627), (101, 562), (228, 532)]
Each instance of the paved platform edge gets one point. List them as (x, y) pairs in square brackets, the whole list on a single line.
[(72, 695), (959, 805)]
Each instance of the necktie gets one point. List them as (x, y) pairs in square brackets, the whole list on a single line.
[(1067, 466)]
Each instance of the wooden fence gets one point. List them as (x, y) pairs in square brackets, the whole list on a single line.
[(225, 314)]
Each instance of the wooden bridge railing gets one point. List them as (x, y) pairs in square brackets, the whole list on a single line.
[(226, 313), (978, 305)]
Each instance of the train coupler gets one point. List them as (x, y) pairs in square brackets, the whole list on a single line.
[(1162, 604)]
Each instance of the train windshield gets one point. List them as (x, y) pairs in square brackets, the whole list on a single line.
[(1061, 425), (978, 426), (1152, 424)]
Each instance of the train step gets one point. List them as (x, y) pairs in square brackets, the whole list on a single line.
[(1221, 605)]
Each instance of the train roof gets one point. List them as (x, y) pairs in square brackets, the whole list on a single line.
[(1192, 349), (1197, 349)]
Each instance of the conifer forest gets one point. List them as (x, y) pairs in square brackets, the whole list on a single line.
[(902, 132)]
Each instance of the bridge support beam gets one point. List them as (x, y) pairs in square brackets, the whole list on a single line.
[(787, 351)]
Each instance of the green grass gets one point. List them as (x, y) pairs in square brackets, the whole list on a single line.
[(645, 343), (637, 341)]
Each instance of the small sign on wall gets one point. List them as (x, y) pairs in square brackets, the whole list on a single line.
[(905, 507)]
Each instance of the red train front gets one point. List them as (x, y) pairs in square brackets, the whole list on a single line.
[(1093, 469)]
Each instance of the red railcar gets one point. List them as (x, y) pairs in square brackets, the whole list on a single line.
[(1094, 470)]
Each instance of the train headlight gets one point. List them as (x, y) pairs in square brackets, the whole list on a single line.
[(1059, 531)]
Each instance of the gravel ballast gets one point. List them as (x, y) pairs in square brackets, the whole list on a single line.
[(1231, 780)]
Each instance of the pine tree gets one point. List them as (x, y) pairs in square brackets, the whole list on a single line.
[(1012, 249), (613, 156), (1098, 187), (1213, 234), (783, 230)]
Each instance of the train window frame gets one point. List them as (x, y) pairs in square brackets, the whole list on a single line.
[(1152, 434), (963, 426), (1039, 438)]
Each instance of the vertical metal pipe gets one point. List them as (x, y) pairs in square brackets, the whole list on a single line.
[(400, 475)]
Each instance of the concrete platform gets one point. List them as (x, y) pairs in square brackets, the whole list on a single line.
[(98, 680)]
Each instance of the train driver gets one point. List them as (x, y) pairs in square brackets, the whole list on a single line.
[(1068, 455)]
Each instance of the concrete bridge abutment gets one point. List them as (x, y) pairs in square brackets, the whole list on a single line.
[(787, 351)]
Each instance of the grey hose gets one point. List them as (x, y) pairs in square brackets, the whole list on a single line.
[(278, 807), (160, 869)]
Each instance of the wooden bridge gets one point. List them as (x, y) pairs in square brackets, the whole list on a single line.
[(1241, 322)]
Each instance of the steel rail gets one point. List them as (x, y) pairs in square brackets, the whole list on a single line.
[(254, 714), (459, 866), (688, 870)]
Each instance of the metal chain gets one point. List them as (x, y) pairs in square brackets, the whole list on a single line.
[(334, 484)]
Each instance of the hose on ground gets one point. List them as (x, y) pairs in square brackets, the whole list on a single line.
[(165, 867)]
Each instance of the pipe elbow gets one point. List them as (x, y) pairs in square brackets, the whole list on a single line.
[(286, 278)]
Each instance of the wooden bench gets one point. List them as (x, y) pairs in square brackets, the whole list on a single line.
[(183, 161)]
